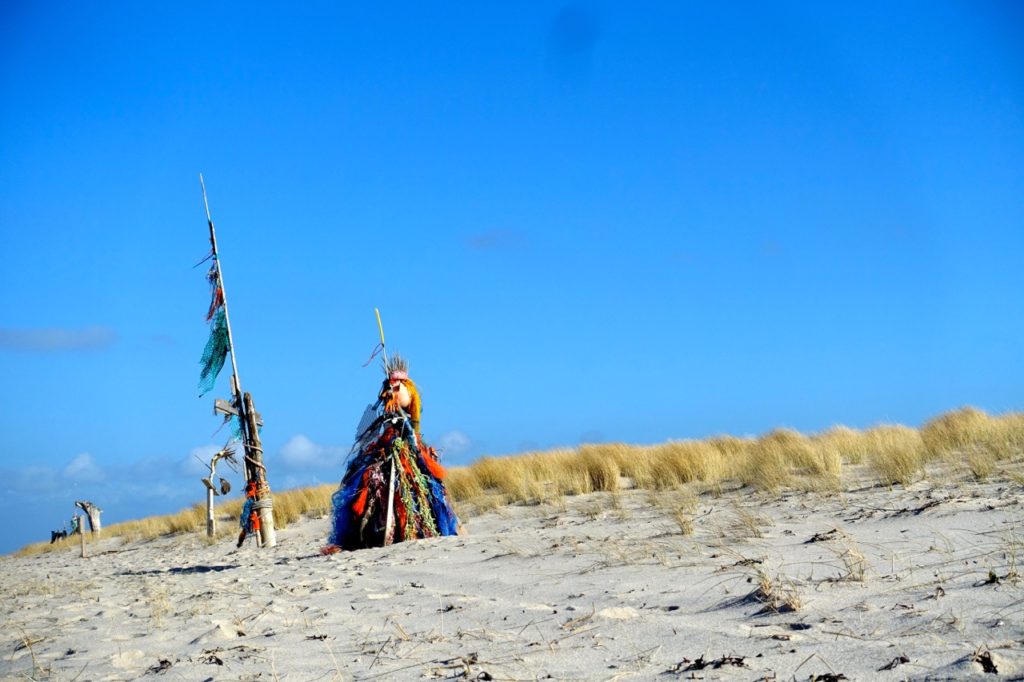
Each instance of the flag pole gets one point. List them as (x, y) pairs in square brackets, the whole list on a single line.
[(236, 383), (252, 460)]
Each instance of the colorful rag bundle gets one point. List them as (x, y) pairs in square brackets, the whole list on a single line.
[(390, 448), (249, 520)]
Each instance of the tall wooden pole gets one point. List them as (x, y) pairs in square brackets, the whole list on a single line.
[(252, 460), (236, 384)]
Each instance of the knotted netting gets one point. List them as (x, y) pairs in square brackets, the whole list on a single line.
[(215, 353), (218, 345)]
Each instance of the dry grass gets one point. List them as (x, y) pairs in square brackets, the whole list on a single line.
[(778, 595), (674, 463), (981, 463), (292, 505), (1007, 436), (463, 484), (897, 454), (538, 477), (679, 505), (772, 595), (849, 445), (975, 438), (956, 431), (683, 519), (747, 524), (188, 520), (769, 462), (783, 458), (848, 553)]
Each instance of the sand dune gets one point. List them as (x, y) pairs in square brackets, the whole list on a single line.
[(911, 583)]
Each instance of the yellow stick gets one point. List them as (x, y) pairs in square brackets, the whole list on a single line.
[(379, 326), (383, 348)]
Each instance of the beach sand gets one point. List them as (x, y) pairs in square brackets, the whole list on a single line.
[(873, 583)]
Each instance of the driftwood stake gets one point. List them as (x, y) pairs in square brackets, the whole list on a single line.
[(228, 455), (94, 515), (211, 523), (81, 533)]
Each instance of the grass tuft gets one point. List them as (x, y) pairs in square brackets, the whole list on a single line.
[(955, 432), (897, 454), (849, 445)]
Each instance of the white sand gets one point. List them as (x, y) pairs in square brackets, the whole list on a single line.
[(588, 592)]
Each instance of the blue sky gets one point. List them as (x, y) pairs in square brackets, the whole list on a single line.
[(581, 222)]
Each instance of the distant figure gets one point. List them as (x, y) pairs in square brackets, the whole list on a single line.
[(393, 488), (57, 535), (74, 526)]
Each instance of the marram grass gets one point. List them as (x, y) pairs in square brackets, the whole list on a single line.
[(968, 438)]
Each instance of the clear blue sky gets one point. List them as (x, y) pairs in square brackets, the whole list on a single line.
[(585, 221)]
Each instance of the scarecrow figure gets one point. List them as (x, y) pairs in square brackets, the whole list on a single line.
[(393, 487)]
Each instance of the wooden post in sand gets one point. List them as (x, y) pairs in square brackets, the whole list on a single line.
[(211, 524), (228, 455), (81, 533), (264, 504)]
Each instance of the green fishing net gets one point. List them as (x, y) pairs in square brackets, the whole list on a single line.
[(215, 353)]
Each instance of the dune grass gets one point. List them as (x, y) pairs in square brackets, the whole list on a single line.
[(967, 438), (780, 459), (896, 453)]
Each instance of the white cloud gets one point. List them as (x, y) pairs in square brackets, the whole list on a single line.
[(33, 480), (83, 469), (454, 443), (302, 453), (57, 339)]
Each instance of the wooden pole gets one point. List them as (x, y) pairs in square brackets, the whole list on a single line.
[(236, 382), (252, 450), (223, 289), (211, 524), (81, 534), (264, 504)]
